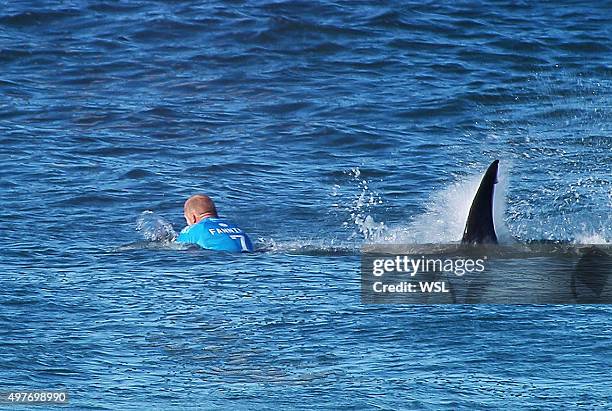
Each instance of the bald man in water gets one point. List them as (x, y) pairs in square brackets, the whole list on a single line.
[(206, 229)]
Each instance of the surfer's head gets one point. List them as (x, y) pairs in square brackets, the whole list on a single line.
[(199, 207)]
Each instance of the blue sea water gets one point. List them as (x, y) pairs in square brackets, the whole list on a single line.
[(317, 126)]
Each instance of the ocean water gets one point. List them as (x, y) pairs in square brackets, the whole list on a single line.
[(317, 126)]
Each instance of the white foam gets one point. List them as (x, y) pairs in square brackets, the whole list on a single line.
[(155, 228), (591, 238), (446, 213)]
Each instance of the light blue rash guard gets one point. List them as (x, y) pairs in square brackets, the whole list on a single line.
[(216, 234)]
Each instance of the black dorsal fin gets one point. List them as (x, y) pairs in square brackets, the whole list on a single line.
[(479, 228)]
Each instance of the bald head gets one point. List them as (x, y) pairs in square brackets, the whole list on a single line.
[(198, 207)]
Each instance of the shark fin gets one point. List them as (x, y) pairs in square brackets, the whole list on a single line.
[(479, 228)]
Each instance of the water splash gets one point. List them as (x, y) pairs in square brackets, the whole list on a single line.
[(353, 202), (154, 228), (562, 153), (446, 213), (360, 207), (592, 238)]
